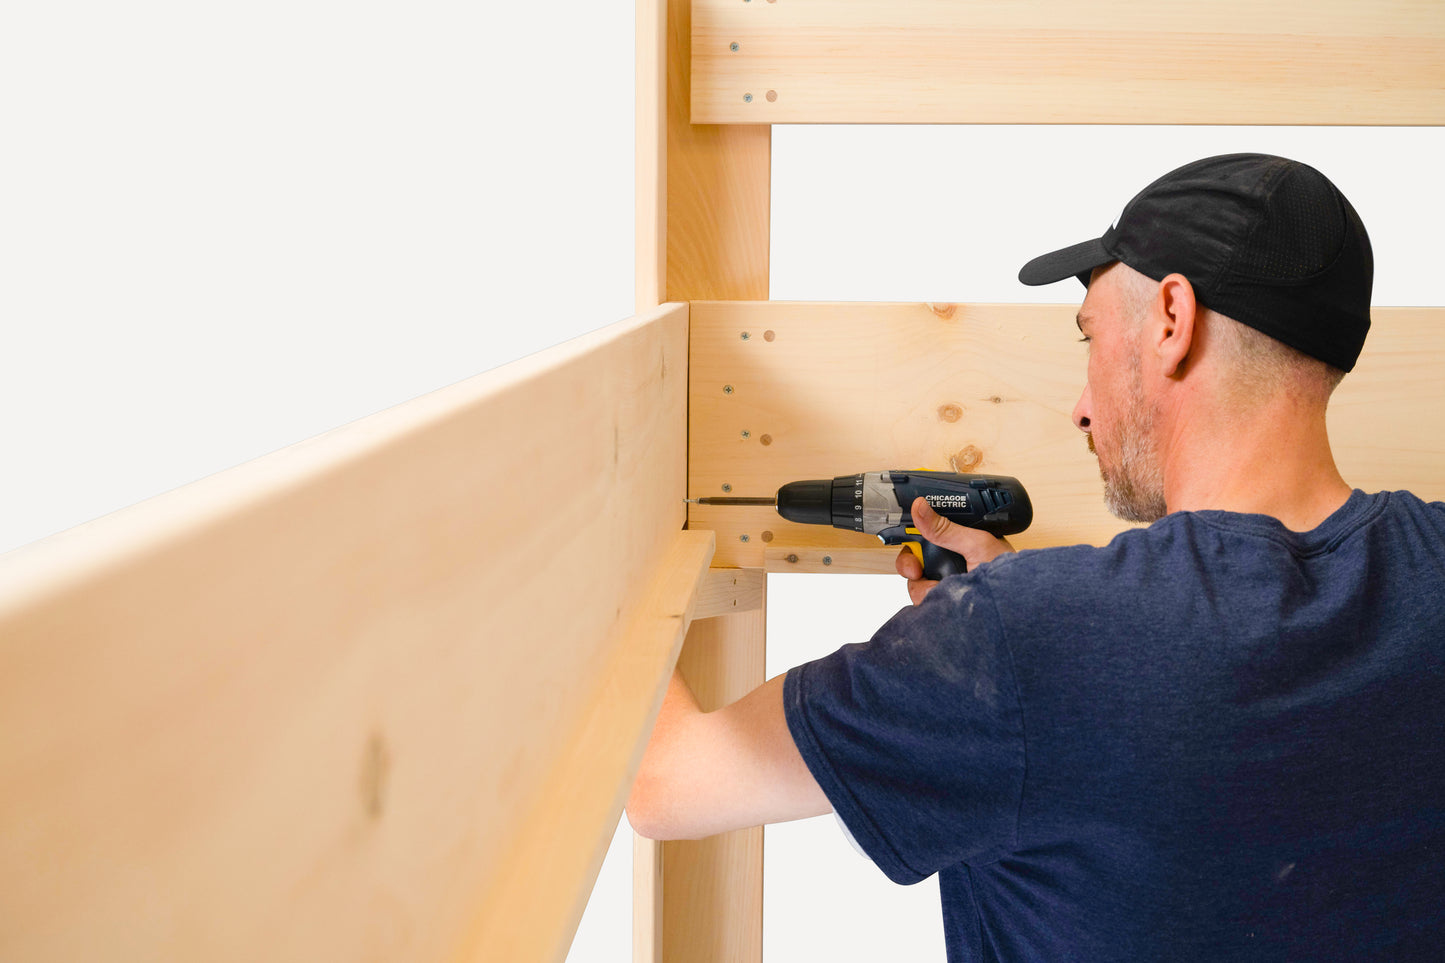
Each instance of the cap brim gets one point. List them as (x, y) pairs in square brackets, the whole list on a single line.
[(1076, 260)]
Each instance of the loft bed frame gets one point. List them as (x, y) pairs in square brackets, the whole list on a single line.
[(311, 708)]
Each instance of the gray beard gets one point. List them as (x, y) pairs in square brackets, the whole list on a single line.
[(1134, 491)]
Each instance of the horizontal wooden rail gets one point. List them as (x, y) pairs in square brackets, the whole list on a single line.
[(1068, 62), (379, 695), (822, 389)]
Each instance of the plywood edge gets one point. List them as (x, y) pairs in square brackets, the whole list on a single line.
[(567, 831)]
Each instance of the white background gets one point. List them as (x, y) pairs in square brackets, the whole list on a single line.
[(224, 231)]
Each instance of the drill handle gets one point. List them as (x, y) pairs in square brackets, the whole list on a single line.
[(939, 562)]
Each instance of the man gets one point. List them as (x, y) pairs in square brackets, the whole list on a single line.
[(1219, 737)]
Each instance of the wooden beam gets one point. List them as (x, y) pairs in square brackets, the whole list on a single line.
[(1069, 62), (713, 239), (824, 389), (650, 173), (728, 591), (320, 706), (718, 189), (565, 837), (713, 905)]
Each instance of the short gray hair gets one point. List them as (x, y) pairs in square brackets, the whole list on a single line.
[(1264, 365), (1261, 364)]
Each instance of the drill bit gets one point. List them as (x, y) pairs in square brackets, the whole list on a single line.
[(770, 501)]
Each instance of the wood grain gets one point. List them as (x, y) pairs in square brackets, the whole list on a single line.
[(825, 389), (322, 705), (540, 891), (728, 591), (1067, 62)]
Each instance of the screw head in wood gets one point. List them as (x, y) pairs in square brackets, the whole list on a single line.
[(727, 389), (742, 538), (747, 98), (727, 487), (733, 47), (744, 336), (747, 434), (793, 558), (827, 560)]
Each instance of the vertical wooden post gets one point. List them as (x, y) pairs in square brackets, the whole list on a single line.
[(702, 233)]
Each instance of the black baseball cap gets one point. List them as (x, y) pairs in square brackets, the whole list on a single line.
[(1265, 240)]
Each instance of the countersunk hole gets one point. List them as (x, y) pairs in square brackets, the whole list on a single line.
[(765, 440), (767, 536), (772, 96)]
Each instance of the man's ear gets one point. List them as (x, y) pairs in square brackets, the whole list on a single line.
[(1176, 310)]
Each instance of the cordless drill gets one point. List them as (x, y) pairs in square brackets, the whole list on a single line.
[(879, 503)]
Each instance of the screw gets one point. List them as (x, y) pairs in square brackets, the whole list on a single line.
[(727, 389), (747, 98), (747, 434), (745, 336), (727, 487), (793, 558), (742, 538), (827, 560), (733, 47)]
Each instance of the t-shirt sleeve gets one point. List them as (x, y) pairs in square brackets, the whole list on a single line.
[(916, 736)]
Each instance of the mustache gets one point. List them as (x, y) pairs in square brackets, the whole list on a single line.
[(1089, 440)]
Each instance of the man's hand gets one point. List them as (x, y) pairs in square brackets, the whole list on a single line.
[(975, 546)]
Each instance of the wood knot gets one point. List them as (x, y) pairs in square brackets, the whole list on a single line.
[(949, 413), (966, 459), (943, 310), (375, 766)]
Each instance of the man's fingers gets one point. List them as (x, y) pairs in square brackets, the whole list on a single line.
[(918, 588), (908, 564), (911, 568), (974, 545)]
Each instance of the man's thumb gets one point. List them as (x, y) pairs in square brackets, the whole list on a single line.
[(929, 523)]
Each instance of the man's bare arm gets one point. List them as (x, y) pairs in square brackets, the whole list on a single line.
[(710, 772)]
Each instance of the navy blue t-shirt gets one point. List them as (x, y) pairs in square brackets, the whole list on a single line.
[(1213, 739)]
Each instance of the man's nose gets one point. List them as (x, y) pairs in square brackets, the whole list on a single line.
[(1083, 410)]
